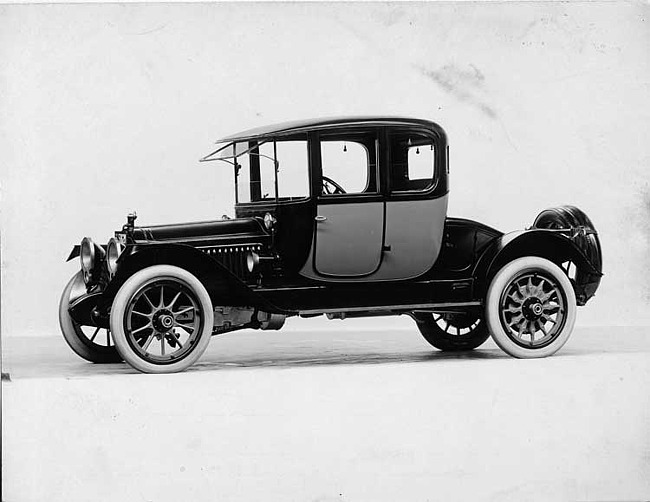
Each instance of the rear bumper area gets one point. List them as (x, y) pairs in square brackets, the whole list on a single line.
[(586, 289)]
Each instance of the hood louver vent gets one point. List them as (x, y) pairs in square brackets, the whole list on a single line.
[(233, 257)]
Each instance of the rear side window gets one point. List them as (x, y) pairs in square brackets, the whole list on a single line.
[(412, 162)]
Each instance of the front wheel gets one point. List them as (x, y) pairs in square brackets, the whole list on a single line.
[(162, 319), (452, 331), (530, 308), (92, 343)]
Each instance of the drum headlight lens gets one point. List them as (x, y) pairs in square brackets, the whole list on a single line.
[(87, 258), (87, 254), (114, 249)]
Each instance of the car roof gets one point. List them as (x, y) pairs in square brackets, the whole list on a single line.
[(296, 126)]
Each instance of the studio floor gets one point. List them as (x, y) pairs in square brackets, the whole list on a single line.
[(347, 414)]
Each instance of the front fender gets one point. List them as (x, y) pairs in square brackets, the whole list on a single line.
[(544, 243), (222, 285)]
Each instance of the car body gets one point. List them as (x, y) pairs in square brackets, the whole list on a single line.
[(345, 217)]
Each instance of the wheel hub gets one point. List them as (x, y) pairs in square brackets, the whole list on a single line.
[(163, 320), (532, 309)]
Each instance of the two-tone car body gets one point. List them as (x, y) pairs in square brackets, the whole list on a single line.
[(345, 217)]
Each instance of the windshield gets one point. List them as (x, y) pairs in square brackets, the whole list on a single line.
[(267, 170)]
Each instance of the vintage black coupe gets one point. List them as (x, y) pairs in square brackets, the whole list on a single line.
[(343, 217)]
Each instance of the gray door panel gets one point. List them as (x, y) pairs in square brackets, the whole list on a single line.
[(352, 251), (349, 239), (414, 231)]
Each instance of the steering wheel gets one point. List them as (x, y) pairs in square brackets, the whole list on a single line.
[(331, 187)]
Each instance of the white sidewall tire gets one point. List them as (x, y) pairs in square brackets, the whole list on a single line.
[(492, 306), (121, 303), (72, 332)]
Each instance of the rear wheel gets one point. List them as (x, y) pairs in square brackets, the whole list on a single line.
[(452, 331), (162, 319), (530, 308), (92, 343)]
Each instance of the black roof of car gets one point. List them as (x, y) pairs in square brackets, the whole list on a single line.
[(296, 126)]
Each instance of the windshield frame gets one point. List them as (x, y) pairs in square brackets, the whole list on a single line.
[(232, 160), (296, 159)]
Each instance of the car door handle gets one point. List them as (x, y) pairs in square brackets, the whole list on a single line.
[(320, 218)]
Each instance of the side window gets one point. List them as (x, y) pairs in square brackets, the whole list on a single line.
[(243, 170), (265, 157), (349, 165), (412, 161), (293, 176)]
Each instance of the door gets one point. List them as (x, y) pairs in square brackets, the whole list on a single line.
[(349, 229), (414, 247), (349, 238)]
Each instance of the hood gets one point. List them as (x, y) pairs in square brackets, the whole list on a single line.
[(221, 230)]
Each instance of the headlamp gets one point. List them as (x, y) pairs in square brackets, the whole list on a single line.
[(87, 254), (114, 249), (87, 258)]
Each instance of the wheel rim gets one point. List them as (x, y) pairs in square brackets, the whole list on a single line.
[(456, 324), (95, 337), (163, 321), (533, 310)]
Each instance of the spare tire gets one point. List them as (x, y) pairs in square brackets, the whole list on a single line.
[(582, 230)]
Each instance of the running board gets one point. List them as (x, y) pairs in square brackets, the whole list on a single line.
[(394, 308)]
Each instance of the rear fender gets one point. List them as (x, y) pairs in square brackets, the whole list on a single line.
[(549, 244), (223, 286)]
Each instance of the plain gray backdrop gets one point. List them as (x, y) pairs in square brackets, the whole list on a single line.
[(107, 108)]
